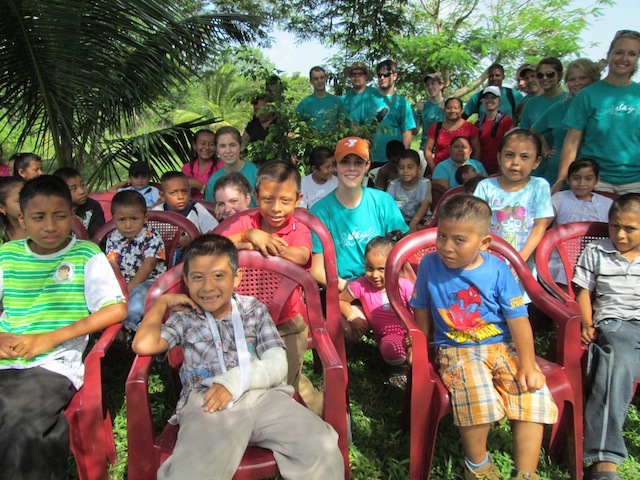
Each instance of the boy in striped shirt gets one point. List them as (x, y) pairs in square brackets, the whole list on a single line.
[(609, 271), (55, 290)]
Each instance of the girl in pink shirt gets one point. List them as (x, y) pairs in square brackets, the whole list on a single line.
[(375, 312)]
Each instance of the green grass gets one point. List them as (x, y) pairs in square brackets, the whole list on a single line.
[(380, 449)]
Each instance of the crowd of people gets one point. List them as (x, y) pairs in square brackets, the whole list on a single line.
[(515, 160)]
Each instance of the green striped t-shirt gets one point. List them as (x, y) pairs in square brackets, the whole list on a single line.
[(42, 293)]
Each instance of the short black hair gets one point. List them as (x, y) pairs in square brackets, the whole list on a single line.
[(211, 245), (584, 163), (389, 64), (23, 160), (172, 175), (461, 171), (471, 184), (467, 208), (128, 198), (319, 155), (523, 133), (67, 173), (383, 243), (316, 69), (410, 154), (278, 171), (495, 66), (47, 186), (394, 148), (627, 203)]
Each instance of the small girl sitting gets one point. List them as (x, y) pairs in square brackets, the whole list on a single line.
[(578, 204), (411, 191), (10, 209), (375, 312)]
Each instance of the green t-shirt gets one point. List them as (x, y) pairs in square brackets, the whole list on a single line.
[(431, 113), (358, 107), (323, 113), (398, 119), (549, 124), (609, 118), (249, 170)]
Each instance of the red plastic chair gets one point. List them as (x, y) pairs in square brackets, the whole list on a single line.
[(433, 221), (569, 240), (104, 199), (332, 302), (429, 399), (437, 191), (271, 280), (90, 429), (169, 225), (77, 228)]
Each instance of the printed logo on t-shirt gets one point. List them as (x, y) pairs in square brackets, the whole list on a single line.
[(356, 236), (64, 273), (464, 317)]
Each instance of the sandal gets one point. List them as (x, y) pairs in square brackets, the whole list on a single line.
[(398, 380)]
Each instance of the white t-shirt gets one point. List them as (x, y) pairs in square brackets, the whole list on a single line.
[(312, 192)]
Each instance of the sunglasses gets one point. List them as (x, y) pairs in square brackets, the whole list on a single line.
[(385, 75), (542, 75)]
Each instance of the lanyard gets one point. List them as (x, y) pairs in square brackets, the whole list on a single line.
[(241, 346)]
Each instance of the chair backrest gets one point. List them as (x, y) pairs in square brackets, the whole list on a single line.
[(77, 228), (437, 191), (332, 302), (104, 199), (435, 206), (569, 240), (417, 245), (169, 225)]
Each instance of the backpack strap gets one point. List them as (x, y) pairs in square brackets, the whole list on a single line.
[(511, 99)]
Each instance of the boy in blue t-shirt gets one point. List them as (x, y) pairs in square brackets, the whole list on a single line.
[(483, 339)]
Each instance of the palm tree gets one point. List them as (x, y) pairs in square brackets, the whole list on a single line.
[(73, 72)]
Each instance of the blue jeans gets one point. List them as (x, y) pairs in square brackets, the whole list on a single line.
[(135, 307), (612, 370)]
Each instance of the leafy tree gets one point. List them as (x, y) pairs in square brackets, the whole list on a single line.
[(73, 72), (456, 38)]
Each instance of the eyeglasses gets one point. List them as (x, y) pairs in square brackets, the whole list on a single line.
[(357, 74), (542, 75), (385, 75)]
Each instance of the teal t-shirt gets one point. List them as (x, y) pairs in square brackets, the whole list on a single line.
[(249, 171), (323, 113), (431, 113), (447, 169), (352, 228), (358, 107), (398, 119), (549, 124), (475, 106), (536, 106), (609, 118)]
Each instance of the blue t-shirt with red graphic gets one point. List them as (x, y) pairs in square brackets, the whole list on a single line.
[(469, 307)]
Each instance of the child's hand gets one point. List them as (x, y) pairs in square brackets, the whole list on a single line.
[(184, 241), (179, 302), (216, 398), (266, 243), (7, 345), (359, 326), (29, 346), (588, 334), (531, 379)]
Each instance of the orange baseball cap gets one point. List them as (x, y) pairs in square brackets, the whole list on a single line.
[(349, 145)]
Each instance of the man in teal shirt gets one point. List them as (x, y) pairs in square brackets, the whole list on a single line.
[(320, 110), (392, 111), (357, 103)]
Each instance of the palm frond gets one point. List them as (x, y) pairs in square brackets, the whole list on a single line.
[(166, 149)]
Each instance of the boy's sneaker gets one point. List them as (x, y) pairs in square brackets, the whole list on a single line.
[(518, 475), (486, 472)]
